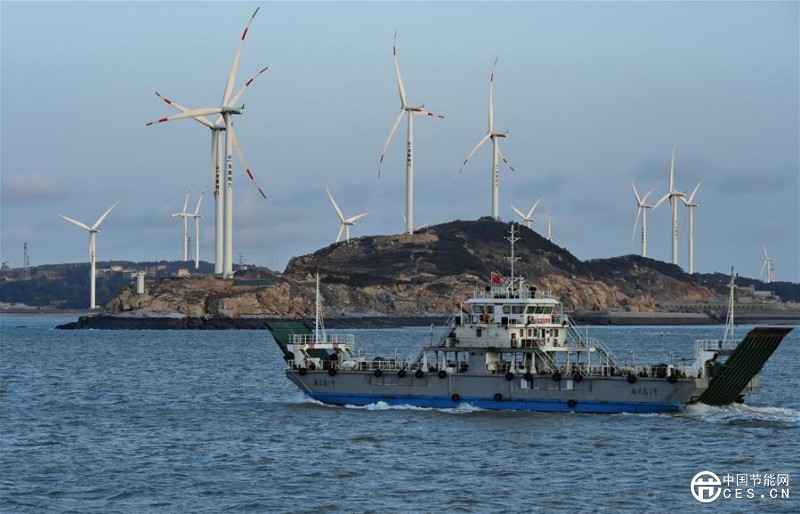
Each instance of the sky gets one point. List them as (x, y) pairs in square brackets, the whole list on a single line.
[(593, 94)]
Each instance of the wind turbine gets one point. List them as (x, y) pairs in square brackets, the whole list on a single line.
[(527, 218), (641, 209), (93, 230), (690, 206), (183, 214), (410, 111), (494, 136), (769, 267), (346, 222), (549, 233), (673, 196), (197, 217), (223, 194)]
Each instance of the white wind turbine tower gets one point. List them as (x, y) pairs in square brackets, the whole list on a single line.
[(690, 206), (224, 194), (494, 136), (183, 214), (410, 111), (93, 230), (527, 218), (641, 210), (197, 217), (769, 267), (673, 196), (346, 222), (549, 232)]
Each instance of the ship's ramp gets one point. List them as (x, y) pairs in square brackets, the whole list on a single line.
[(742, 365), (282, 332)]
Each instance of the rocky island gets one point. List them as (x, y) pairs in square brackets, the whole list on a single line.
[(418, 279)]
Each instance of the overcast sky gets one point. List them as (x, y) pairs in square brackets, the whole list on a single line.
[(593, 94)]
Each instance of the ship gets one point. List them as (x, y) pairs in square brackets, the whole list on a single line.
[(513, 347)]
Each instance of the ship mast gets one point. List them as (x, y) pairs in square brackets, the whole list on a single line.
[(729, 322), (512, 238), (318, 323)]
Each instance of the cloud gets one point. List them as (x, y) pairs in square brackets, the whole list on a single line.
[(32, 187)]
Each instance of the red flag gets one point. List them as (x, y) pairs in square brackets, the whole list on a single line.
[(496, 279)]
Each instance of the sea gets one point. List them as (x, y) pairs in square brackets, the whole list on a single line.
[(206, 421)]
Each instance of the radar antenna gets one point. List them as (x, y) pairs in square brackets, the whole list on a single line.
[(319, 326), (512, 238)]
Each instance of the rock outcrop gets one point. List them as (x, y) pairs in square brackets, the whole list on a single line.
[(428, 273)]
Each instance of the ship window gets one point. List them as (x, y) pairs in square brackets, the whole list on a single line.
[(490, 309), (539, 309), (531, 309), (478, 332), (548, 309), (517, 309), (477, 309), (506, 309)]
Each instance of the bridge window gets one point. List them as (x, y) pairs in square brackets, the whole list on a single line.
[(506, 309), (517, 309), (548, 309)]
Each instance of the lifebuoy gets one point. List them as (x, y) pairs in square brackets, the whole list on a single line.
[(631, 378), (672, 379), (509, 376), (484, 318), (498, 397), (442, 373), (378, 372), (401, 373), (577, 378), (419, 373), (571, 404), (528, 376), (556, 376), (303, 371), (455, 398), (332, 372)]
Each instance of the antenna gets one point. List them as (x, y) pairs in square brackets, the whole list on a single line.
[(319, 326), (26, 262), (512, 238), (729, 322)]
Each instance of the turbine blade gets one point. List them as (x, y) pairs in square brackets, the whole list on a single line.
[(239, 154), (672, 170), (186, 202), (200, 119), (357, 217), (101, 218), (339, 235), (397, 74), (643, 203), (535, 205), (635, 224), (197, 209), (491, 98), (246, 85), (660, 201), (691, 197), (188, 114), (235, 66), (505, 159), (428, 113), (475, 149), (636, 194), (76, 222), (519, 212), (389, 139), (766, 256), (336, 207)]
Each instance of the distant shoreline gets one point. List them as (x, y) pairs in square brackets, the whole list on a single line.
[(111, 322)]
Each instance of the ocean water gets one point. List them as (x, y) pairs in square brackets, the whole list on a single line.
[(205, 421)]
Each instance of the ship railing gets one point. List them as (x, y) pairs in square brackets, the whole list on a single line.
[(345, 339), (505, 292), (584, 341), (711, 345)]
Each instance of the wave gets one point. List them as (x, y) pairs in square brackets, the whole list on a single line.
[(463, 408), (741, 413)]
